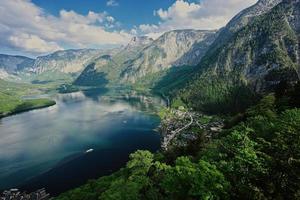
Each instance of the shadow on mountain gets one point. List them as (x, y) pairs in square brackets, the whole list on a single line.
[(175, 77), (91, 77)]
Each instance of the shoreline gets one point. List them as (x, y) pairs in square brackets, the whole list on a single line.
[(46, 105)]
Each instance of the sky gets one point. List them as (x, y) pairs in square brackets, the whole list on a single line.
[(39, 27)]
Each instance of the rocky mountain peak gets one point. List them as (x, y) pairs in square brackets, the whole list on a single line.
[(137, 41), (242, 19), (265, 5)]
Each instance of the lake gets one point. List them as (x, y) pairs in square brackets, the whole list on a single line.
[(84, 136)]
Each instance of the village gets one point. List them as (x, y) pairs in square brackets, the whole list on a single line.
[(180, 126)]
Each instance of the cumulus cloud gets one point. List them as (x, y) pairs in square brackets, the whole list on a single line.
[(26, 27), (205, 15), (32, 43), (112, 3)]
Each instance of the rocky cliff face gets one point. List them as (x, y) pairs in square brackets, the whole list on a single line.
[(174, 48), (68, 61)]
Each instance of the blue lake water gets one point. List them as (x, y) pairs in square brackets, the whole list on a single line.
[(47, 147)]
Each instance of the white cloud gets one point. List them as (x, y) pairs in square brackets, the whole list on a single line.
[(26, 27), (112, 3), (33, 43), (148, 27), (205, 15), (110, 19), (90, 18)]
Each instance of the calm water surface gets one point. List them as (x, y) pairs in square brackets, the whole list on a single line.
[(47, 147)]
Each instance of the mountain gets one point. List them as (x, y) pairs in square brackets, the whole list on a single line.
[(174, 48), (107, 68), (66, 61), (141, 56), (254, 60), (11, 66), (243, 18), (138, 42), (64, 66), (60, 65)]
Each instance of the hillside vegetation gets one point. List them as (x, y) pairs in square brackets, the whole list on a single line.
[(253, 61)]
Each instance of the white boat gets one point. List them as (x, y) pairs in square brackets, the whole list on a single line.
[(89, 150)]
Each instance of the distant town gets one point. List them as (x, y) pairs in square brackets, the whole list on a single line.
[(15, 194)]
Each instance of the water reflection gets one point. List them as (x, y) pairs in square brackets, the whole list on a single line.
[(96, 93), (113, 123)]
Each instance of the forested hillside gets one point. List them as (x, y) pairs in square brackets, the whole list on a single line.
[(253, 61)]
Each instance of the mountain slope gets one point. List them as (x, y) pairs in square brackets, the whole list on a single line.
[(107, 68), (63, 66), (174, 48), (144, 58), (243, 18), (67, 61), (60, 65), (11, 66), (254, 60)]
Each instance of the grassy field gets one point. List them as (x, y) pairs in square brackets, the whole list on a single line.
[(11, 101)]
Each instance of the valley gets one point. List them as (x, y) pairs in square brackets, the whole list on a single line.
[(74, 70), (191, 114)]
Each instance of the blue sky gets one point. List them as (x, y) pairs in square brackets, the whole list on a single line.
[(128, 12), (38, 27)]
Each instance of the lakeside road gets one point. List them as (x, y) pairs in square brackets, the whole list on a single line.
[(169, 138)]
